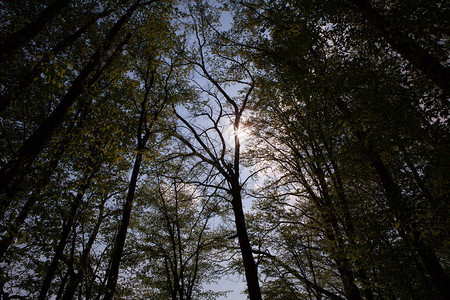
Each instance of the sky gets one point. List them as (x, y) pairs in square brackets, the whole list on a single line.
[(235, 284)]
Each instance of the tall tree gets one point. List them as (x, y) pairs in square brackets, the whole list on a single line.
[(17, 39), (310, 53), (405, 45), (209, 142), (178, 247), (132, 130), (156, 97), (15, 167)]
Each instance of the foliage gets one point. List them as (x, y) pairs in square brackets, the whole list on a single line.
[(148, 148)]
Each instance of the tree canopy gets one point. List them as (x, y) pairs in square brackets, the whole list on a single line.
[(150, 148)]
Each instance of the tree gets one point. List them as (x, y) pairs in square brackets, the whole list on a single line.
[(321, 63), (17, 39), (401, 42), (173, 248), (107, 56), (148, 116), (34, 144), (209, 144)]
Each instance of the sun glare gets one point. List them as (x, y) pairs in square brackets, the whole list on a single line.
[(231, 133), (240, 133)]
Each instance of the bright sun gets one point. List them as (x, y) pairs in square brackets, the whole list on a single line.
[(241, 133)]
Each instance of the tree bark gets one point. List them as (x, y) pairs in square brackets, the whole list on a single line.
[(143, 135), (397, 204), (14, 228), (347, 222), (116, 257), (343, 264), (77, 278), (328, 214), (61, 285), (251, 270), (395, 198)]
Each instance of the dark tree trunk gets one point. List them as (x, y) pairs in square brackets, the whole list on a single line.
[(68, 223), (343, 264), (62, 285), (116, 257), (406, 47), (395, 198), (251, 270), (14, 228), (397, 204), (67, 226), (173, 229), (335, 235), (28, 78), (329, 216), (14, 169), (77, 278), (347, 222), (28, 32), (143, 135)]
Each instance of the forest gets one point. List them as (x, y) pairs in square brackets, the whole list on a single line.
[(150, 148)]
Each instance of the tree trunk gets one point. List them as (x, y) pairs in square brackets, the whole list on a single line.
[(38, 69), (329, 216), (116, 257), (62, 285), (343, 264), (406, 47), (340, 257), (143, 135), (67, 226), (251, 270), (397, 204), (14, 228), (28, 32), (77, 278), (395, 198), (347, 222)]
